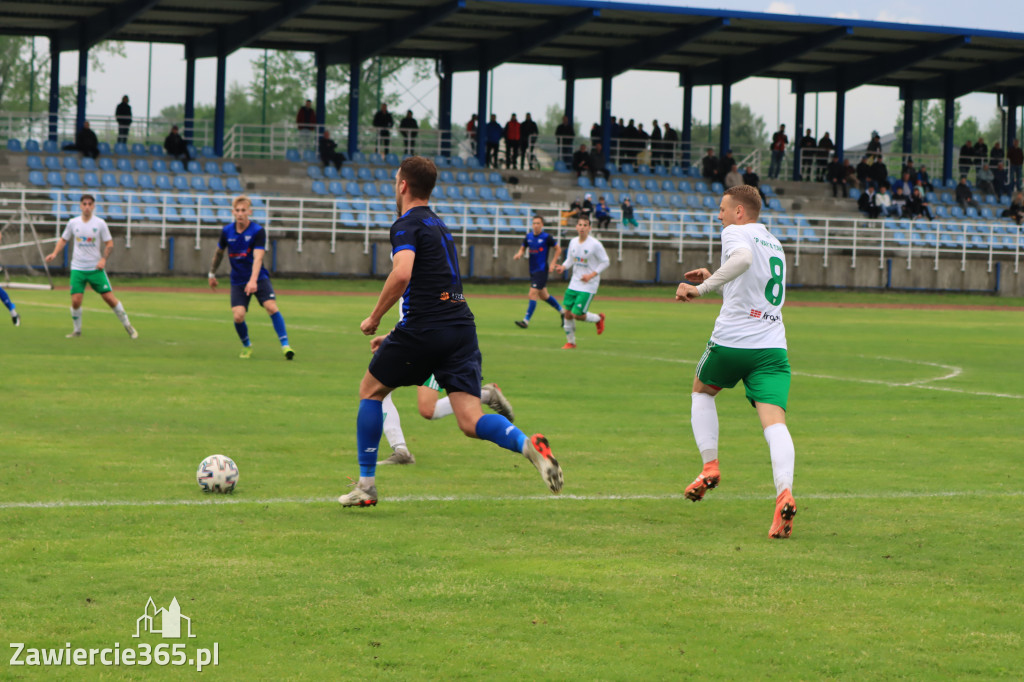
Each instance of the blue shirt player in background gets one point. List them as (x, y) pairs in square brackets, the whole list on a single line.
[(539, 243), (437, 335), (246, 244)]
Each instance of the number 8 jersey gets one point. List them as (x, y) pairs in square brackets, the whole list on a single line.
[(751, 315)]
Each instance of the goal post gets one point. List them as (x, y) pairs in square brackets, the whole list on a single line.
[(28, 249)]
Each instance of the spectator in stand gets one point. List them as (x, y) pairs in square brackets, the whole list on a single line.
[(851, 174), (85, 142), (985, 178), (409, 129), (750, 178), (726, 164), (581, 161), (733, 177), (513, 134), (306, 122), (471, 132), (587, 209), (917, 206), (980, 154), (966, 157), (875, 147), (905, 183), (565, 135), (868, 202), (329, 154), (1016, 208), (778, 149), (528, 132), (603, 214), (884, 202), (597, 164), (964, 195), (709, 166), (575, 210), (1001, 180), (596, 134), (669, 140), (175, 145), (898, 208), (924, 180), (996, 154), (123, 114), (825, 149), (383, 121), (1015, 155), (864, 171), (627, 214), (808, 155), (879, 172), (631, 142), (837, 178), (493, 138), (656, 150)]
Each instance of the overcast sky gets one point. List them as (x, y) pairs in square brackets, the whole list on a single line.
[(642, 95)]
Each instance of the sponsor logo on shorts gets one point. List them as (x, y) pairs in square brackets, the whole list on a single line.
[(452, 296)]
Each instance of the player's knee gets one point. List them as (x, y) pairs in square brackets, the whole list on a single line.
[(238, 317)]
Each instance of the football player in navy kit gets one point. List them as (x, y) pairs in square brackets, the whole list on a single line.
[(539, 243)]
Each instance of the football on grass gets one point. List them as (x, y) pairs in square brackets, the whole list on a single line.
[(217, 474)]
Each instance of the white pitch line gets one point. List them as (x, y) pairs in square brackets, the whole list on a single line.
[(401, 499)]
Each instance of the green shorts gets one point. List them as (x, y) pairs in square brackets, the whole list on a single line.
[(97, 279), (765, 372), (577, 302)]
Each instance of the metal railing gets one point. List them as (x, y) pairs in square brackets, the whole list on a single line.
[(24, 126)]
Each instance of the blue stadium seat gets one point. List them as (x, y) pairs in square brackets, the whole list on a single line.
[(127, 181), (676, 201), (472, 162), (347, 173), (478, 178), (114, 212), (120, 149), (163, 182), (52, 163), (171, 214), (145, 181), (485, 193), (457, 162), (627, 169), (234, 185), (155, 150), (319, 188), (643, 169), (667, 185), (229, 168), (105, 163), (469, 193), (501, 194), (208, 152), (34, 162), (90, 180), (642, 199), (370, 190), (54, 179), (446, 176), (392, 160), (308, 156), (13, 145), (660, 171), (159, 166), (618, 183), (141, 166), (854, 193), (442, 161), (124, 166), (560, 166), (176, 166), (651, 185), (207, 215), (700, 187), (148, 198), (211, 168), (71, 163), (292, 155), (216, 184), (452, 193), (194, 167), (495, 179), (108, 180), (773, 204), (462, 177), (353, 189), (314, 172), (375, 159), (198, 184), (103, 148), (584, 182), (363, 174), (684, 186), (336, 188), (36, 177), (32, 146), (330, 173), (180, 183), (718, 188), (138, 149), (768, 190), (89, 164), (659, 200), (709, 203), (635, 185), (50, 146), (600, 182)]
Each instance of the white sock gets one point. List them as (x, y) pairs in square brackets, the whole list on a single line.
[(392, 423), (121, 314), (14, 312), (780, 445), (367, 482), (593, 317), (570, 330), (76, 318), (443, 408), (704, 420)]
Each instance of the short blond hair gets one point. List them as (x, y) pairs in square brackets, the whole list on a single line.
[(241, 199), (748, 197)]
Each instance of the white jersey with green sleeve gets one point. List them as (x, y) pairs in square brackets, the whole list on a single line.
[(751, 315), (585, 258), (88, 239)]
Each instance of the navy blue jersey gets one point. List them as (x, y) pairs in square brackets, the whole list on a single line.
[(434, 295), (240, 247), (539, 245)]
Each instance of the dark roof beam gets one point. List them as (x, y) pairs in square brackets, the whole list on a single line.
[(857, 74), (226, 39), (636, 54), (100, 26), (965, 82), (388, 34), (489, 54)]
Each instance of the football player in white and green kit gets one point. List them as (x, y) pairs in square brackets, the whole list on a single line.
[(88, 263), (748, 344), (588, 259)]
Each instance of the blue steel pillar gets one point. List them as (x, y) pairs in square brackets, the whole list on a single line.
[(190, 94), (570, 93), (1011, 119), (444, 107), (83, 87), (481, 117), (355, 66), (840, 123), (687, 132), (947, 139), (606, 114), (54, 91), (798, 134), (218, 114), (321, 92), (908, 127), (724, 138)]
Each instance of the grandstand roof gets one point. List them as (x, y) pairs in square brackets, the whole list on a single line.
[(586, 38)]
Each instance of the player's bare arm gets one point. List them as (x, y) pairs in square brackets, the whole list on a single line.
[(396, 283), (519, 253), (217, 257), (108, 247), (257, 265), (56, 250)]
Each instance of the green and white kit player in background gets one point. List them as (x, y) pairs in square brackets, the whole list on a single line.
[(588, 259), (88, 263), (748, 343)]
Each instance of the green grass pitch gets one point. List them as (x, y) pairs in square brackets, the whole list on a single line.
[(905, 560)]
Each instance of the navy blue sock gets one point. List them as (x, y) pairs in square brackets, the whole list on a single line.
[(278, 320), (529, 310), (369, 427), (501, 432), (243, 333), (553, 302)]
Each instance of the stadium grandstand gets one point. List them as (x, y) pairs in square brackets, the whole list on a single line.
[(325, 220)]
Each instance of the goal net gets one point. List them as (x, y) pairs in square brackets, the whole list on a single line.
[(22, 260)]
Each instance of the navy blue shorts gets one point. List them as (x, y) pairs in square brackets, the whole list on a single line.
[(451, 354), (264, 293), (539, 279)]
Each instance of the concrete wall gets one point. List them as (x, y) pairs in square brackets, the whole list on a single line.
[(630, 262)]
